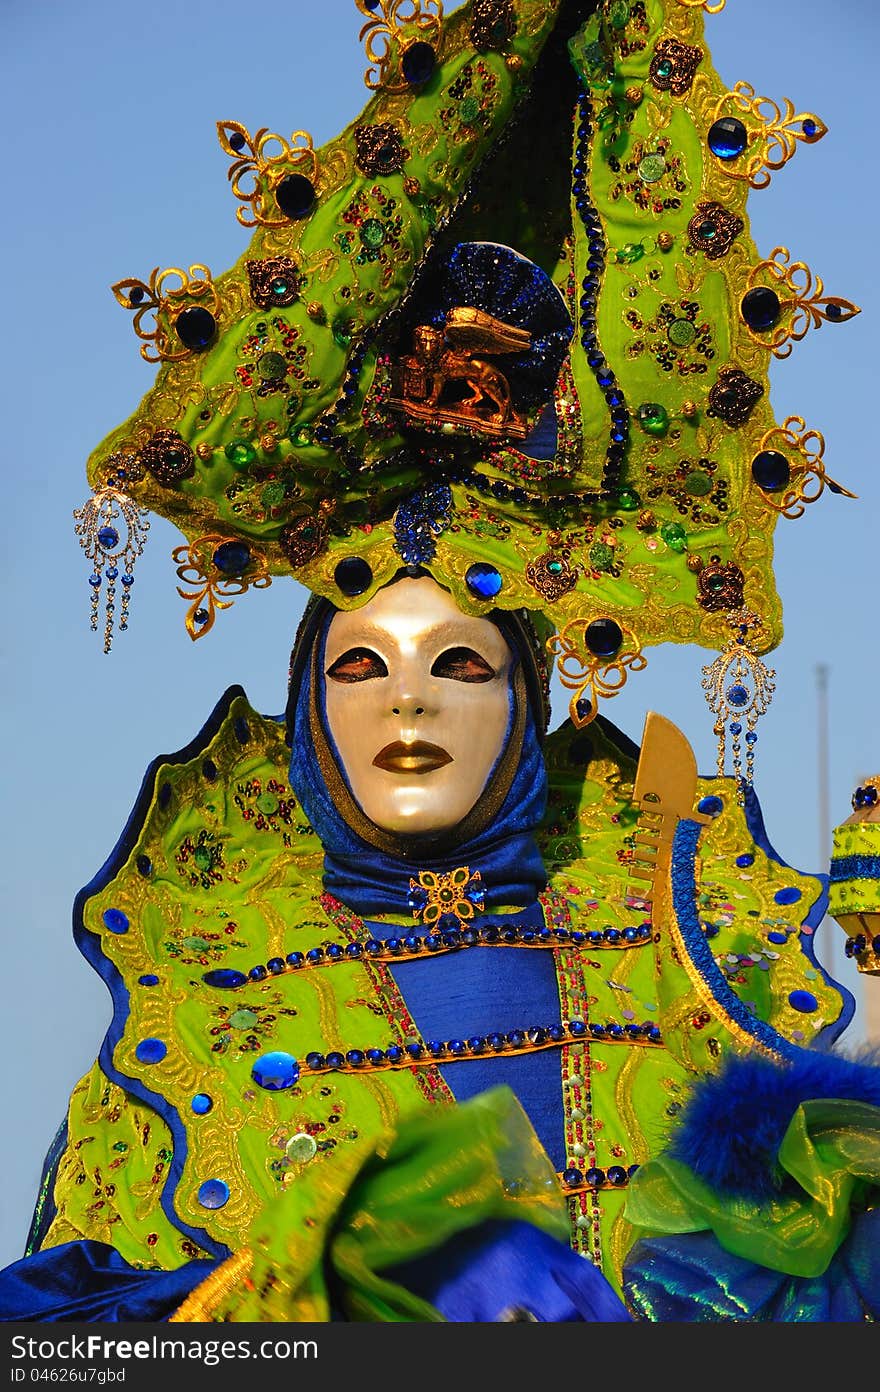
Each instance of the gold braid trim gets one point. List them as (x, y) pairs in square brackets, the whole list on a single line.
[(200, 1304)]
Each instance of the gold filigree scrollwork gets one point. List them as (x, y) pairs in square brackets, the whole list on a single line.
[(257, 169), (211, 587), (803, 298), (704, 5), (154, 297), (385, 44), (779, 132), (590, 676), (808, 479)]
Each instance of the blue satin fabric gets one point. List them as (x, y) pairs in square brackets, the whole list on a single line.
[(89, 1281), (500, 1271), (692, 1278), (483, 990), (370, 881)]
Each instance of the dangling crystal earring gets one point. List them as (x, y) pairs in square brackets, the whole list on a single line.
[(112, 530), (739, 688)]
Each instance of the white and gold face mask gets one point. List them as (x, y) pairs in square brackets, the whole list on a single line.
[(418, 705)]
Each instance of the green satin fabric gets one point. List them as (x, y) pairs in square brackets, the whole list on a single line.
[(829, 1164), (407, 1192)]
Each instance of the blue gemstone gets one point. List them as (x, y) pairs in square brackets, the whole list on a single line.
[(151, 1050), (414, 1049), (788, 895), (745, 860), (631, 935), (711, 806), (412, 943), (375, 1056), (295, 195), (727, 138), (335, 1060), (751, 737), (809, 128), (595, 936), (489, 935), (711, 930), (604, 637), (468, 937), (355, 1057), (456, 1046), (214, 1193), (201, 1103), (148, 980), (196, 327), (226, 978), (314, 1060), (334, 952), (275, 1071), (418, 63), (516, 1038), (597, 1030), (537, 1035), (257, 973), (595, 1178), (803, 1001), (232, 557), (112, 573), (115, 920), (394, 1053), (760, 308), (562, 935), (654, 1034), (95, 579), (611, 935), (433, 942), (276, 965), (495, 1041), (353, 576), (315, 954), (509, 935), (372, 946), (780, 939), (108, 537), (737, 695), (476, 1044), (556, 1033), (527, 935), (393, 944), (295, 959), (735, 727), (634, 1030), (617, 1174), (614, 1030), (577, 1028), (144, 866), (436, 1047), (483, 580), (771, 470), (572, 1178)]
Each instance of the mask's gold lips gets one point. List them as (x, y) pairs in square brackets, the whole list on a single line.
[(419, 757)]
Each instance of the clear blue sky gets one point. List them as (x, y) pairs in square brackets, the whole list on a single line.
[(112, 167)]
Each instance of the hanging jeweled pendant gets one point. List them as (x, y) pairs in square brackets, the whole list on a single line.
[(739, 688), (112, 530)]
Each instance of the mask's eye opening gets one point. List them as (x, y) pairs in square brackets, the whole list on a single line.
[(462, 664), (357, 665)]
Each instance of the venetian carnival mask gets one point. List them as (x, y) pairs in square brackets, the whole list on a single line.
[(418, 705)]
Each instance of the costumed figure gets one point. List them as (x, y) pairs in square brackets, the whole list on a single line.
[(421, 1012)]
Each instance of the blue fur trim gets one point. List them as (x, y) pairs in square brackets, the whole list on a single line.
[(730, 1132)]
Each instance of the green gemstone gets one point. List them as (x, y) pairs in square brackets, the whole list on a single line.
[(601, 556), (302, 1147), (272, 367), (279, 287), (629, 252), (554, 567), (675, 536), (202, 857), (652, 168), (627, 500), (243, 1018), (698, 484), (301, 434), (268, 803), (470, 109), (653, 418), (341, 332), (619, 14), (197, 944), (240, 453), (664, 68), (372, 234), (272, 495), (681, 332)]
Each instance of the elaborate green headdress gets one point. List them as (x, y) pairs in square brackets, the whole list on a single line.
[(509, 326)]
